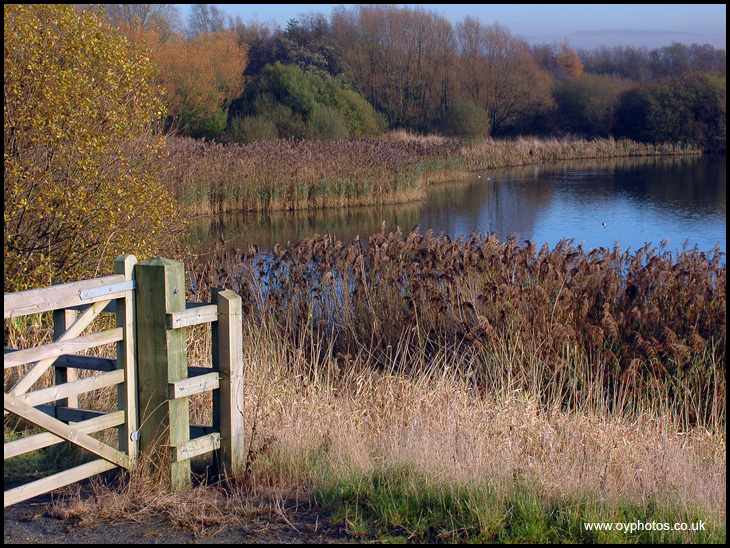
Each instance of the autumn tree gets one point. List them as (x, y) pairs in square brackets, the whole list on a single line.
[(560, 61), (569, 61), (200, 77), (401, 60), (81, 148), (498, 72)]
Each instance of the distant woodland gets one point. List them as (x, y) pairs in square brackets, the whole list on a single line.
[(370, 68), (91, 93)]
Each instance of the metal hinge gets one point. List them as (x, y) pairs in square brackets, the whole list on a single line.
[(107, 289)]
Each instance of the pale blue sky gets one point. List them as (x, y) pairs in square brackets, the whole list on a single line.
[(584, 25)]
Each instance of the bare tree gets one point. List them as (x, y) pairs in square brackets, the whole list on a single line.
[(498, 72), (165, 19), (206, 18), (400, 59)]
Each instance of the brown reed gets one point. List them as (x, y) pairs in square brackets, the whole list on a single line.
[(482, 359), (210, 178), (600, 327)]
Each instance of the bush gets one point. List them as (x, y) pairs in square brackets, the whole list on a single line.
[(248, 129), (327, 123), (81, 148), (360, 116), (286, 85), (200, 126), (303, 106), (289, 123), (467, 120)]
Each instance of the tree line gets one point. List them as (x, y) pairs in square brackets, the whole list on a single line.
[(369, 68), (92, 90)]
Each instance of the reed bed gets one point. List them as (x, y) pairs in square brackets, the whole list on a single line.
[(210, 178), (602, 329), (420, 388), (213, 178), (427, 388)]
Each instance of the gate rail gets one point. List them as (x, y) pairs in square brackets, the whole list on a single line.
[(151, 372), (60, 421)]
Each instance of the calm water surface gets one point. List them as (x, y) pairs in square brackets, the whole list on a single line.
[(640, 200)]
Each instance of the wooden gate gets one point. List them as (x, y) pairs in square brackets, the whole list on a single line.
[(151, 372), (52, 408)]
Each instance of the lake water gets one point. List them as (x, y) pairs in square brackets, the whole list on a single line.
[(640, 200)]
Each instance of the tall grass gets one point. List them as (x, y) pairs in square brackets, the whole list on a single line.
[(436, 390), (424, 389), (209, 178)]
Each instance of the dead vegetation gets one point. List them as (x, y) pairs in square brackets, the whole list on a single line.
[(595, 376), (603, 328)]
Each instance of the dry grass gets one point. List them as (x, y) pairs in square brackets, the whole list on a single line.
[(209, 178), (313, 422), (589, 375), (143, 494), (406, 136), (445, 429)]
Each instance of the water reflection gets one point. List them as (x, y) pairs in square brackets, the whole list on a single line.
[(639, 199), (502, 203)]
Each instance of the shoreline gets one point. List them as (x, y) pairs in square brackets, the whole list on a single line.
[(209, 179)]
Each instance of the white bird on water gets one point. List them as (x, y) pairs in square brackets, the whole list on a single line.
[(604, 224)]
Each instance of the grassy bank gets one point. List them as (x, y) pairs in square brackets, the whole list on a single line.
[(424, 389), (209, 178), (430, 390)]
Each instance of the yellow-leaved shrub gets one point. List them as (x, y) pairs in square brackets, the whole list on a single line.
[(82, 148)]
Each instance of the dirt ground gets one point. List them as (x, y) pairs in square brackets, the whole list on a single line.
[(31, 522)]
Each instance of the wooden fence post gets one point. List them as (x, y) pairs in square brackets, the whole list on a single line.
[(227, 339), (62, 320), (162, 359), (126, 359)]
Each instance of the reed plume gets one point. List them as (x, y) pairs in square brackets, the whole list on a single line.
[(568, 324)]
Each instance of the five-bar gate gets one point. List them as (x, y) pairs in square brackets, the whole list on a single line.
[(150, 371), (47, 407)]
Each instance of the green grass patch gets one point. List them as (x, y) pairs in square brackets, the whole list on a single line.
[(398, 504)]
